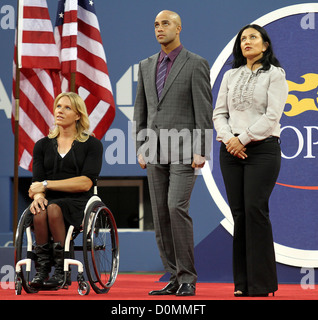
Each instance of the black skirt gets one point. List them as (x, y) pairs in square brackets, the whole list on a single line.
[(72, 209)]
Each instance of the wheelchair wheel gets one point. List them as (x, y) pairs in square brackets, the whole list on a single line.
[(23, 277), (83, 288), (100, 247)]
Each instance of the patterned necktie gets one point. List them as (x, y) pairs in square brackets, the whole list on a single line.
[(161, 75)]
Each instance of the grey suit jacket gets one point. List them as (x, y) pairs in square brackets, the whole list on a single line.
[(184, 111)]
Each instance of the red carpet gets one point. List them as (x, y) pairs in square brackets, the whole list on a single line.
[(136, 287)]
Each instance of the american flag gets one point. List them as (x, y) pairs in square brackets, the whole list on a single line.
[(38, 60), (77, 35)]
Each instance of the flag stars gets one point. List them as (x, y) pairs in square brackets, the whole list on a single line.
[(61, 15), (91, 2)]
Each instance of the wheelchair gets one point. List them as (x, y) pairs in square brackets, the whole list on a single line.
[(100, 247)]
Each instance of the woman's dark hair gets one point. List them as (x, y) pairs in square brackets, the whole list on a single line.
[(268, 56)]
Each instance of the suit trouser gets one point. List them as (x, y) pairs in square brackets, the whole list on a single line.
[(170, 187), (249, 183)]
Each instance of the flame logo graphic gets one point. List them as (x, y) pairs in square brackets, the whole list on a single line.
[(299, 106)]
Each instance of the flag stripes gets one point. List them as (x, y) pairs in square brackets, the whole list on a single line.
[(47, 59), (88, 57), (39, 79)]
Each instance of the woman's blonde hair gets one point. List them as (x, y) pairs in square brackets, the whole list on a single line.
[(82, 125)]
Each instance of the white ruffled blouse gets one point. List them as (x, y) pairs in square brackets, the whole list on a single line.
[(250, 104)]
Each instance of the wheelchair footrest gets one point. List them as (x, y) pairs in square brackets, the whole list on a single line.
[(50, 288)]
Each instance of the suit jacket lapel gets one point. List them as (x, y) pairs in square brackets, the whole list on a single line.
[(152, 75)]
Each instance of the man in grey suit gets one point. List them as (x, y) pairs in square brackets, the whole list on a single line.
[(172, 116)]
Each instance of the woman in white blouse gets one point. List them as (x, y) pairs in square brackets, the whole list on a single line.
[(249, 106)]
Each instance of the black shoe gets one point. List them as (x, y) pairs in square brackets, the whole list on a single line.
[(261, 294), (239, 293), (170, 288), (186, 289), (42, 265), (57, 279)]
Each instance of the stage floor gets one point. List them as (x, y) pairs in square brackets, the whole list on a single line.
[(136, 287)]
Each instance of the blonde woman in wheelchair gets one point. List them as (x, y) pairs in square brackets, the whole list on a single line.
[(66, 165)]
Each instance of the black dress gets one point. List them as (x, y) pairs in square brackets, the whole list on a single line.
[(83, 159)]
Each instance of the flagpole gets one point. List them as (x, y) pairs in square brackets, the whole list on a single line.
[(16, 132), (16, 155)]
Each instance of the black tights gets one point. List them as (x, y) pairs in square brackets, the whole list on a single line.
[(49, 222)]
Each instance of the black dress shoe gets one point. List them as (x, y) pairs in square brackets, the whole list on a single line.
[(170, 288), (261, 294), (186, 289), (239, 293)]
